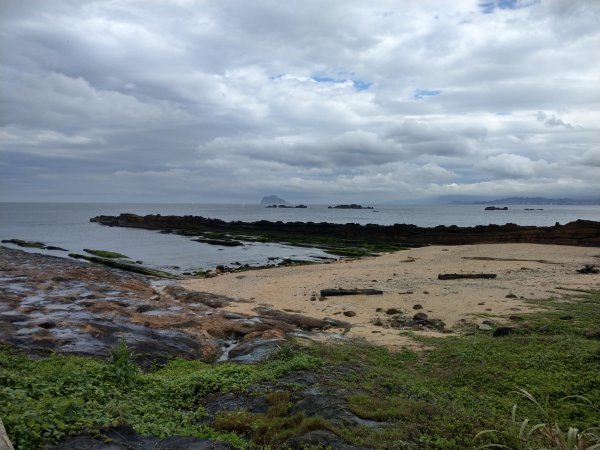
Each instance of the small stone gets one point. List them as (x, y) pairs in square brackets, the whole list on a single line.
[(488, 309), (485, 327), (426, 292), (566, 317), (481, 303), (515, 318), (378, 322), (379, 310), (544, 328), (417, 306), (392, 311), (349, 313), (593, 334), (420, 316), (488, 322), (511, 296), (502, 331)]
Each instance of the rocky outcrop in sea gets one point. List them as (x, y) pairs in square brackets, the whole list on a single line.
[(580, 232)]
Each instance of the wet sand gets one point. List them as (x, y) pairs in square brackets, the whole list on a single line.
[(409, 278)]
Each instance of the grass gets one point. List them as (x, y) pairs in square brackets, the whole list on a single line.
[(435, 399)]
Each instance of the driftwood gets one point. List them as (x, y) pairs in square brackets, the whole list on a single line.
[(456, 276), (4, 441), (340, 291)]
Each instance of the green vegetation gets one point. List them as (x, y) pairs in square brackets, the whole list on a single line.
[(105, 253), (439, 398), (46, 399), (353, 248)]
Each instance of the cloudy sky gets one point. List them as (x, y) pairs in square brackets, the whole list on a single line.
[(317, 102)]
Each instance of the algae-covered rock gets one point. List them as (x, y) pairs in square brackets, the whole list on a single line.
[(105, 254), (130, 267)]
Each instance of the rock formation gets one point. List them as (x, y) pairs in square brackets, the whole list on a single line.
[(581, 232)]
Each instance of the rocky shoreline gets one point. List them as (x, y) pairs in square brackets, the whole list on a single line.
[(55, 304), (580, 233)]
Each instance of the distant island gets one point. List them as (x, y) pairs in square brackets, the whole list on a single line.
[(350, 206), (273, 200), (531, 201)]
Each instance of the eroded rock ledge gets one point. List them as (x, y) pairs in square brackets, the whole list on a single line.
[(49, 303), (580, 233)]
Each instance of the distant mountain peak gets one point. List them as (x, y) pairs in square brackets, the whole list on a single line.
[(272, 200)]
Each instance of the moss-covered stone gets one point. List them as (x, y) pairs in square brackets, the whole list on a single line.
[(105, 254)]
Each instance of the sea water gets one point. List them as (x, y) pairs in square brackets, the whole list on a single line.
[(68, 225)]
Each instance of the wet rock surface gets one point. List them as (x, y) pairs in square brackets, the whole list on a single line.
[(55, 304)]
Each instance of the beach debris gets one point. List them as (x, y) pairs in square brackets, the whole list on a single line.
[(4, 441), (457, 276), (589, 268), (340, 291)]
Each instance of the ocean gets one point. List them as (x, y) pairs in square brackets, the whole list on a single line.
[(67, 225)]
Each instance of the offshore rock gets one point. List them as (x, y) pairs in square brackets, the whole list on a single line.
[(581, 232)]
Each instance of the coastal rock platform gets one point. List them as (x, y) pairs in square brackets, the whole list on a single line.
[(57, 304)]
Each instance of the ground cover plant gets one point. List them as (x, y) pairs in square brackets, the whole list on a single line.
[(440, 398)]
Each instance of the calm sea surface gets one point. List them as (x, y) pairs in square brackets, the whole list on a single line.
[(67, 225)]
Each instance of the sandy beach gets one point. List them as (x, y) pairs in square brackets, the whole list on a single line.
[(409, 279)]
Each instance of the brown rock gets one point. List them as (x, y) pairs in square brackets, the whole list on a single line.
[(420, 316)]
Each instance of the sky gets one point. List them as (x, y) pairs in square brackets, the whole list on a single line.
[(339, 101)]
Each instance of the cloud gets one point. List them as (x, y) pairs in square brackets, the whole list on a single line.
[(227, 101), (513, 166), (551, 121)]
